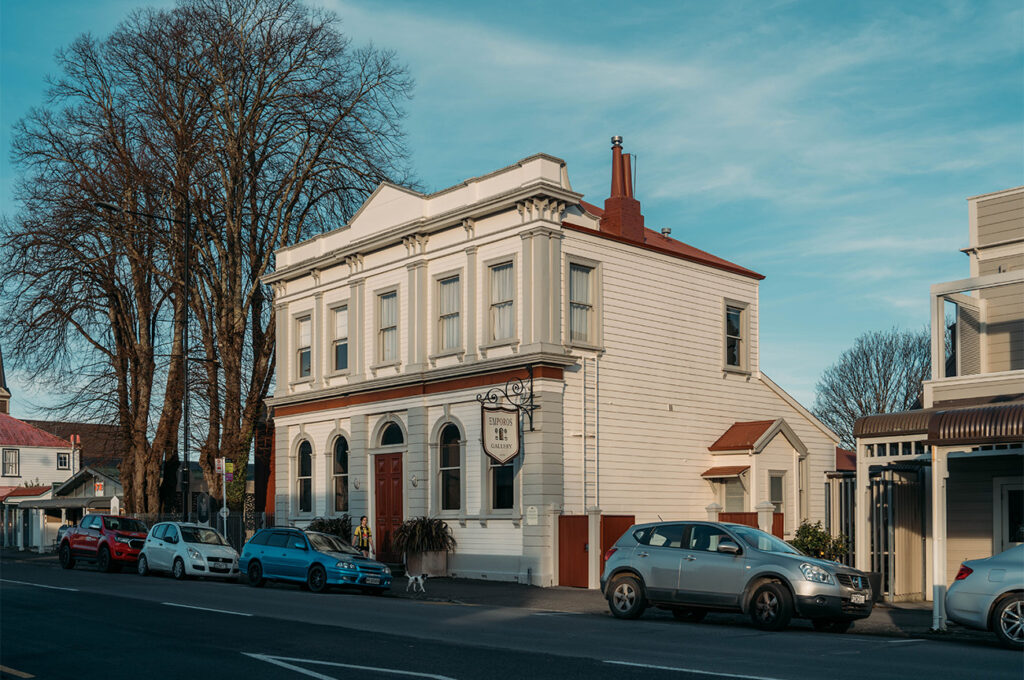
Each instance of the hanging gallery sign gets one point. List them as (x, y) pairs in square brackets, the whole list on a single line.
[(500, 432)]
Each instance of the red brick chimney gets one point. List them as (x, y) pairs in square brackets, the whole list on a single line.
[(621, 211)]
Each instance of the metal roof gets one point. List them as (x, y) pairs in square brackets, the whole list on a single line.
[(991, 423)]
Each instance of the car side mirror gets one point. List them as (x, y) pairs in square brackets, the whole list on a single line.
[(727, 546), (299, 545)]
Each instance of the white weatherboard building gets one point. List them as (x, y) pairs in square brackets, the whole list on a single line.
[(641, 353)]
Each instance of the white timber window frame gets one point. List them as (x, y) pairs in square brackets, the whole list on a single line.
[(735, 334), (583, 299), (388, 345), (340, 451), (63, 460), (304, 347), (11, 463), (449, 296), (502, 288), (304, 478), (340, 342), (778, 500)]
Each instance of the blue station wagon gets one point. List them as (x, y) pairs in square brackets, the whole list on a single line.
[(317, 560)]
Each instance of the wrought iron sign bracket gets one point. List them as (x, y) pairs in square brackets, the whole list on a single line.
[(516, 393)]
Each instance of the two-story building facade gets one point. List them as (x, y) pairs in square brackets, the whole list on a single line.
[(945, 483), (641, 353)]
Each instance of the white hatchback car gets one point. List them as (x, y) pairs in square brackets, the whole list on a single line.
[(187, 550)]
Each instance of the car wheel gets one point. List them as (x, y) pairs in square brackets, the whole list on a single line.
[(832, 625), (626, 598), (255, 574), (689, 615), (64, 555), (103, 560), (1008, 621), (771, 606), (316, 579), (143, 566), (178, 569)]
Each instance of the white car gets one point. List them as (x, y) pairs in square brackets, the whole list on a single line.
[(988, 594), (187, 550)]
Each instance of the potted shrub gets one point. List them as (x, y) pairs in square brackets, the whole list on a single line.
[(426, 542)]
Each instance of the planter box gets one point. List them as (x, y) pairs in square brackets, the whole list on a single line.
[(434, 563)]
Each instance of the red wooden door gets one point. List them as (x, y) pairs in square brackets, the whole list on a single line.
[(612, 528), (388, 483), (572, 551)]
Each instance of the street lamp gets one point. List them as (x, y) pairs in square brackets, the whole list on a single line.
[(186, 505)]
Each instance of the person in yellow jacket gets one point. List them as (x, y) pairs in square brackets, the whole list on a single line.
[(363, 536)]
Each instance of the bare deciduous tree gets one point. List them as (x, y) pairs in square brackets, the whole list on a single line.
[(881, 373), (253, 121)]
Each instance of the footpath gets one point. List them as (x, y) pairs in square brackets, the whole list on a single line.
[(910, 620)]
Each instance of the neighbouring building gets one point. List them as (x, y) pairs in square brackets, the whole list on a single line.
[(945, 483), (640, 352)]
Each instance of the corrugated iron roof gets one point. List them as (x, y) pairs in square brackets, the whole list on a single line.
[(997, 424), (724, 471), (991, 423), (26, 491), (741, 436), (14, 432)]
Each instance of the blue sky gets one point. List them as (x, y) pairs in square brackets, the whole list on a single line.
[(829, 146)]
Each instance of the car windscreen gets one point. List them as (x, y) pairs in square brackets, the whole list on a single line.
[(328, 543), (124, 524), (201, 535), (756, 538)]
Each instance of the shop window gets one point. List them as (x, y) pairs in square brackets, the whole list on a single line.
[(502, 485), (450, 467), (305, 477), (340, 475)]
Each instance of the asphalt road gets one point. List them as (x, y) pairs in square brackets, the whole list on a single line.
[(84, 624)]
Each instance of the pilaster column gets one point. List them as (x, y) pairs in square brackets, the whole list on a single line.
[(360, 466), (472, 332), (416, 313), (542, 284), (526, 331), (357, 329), (283, 346), (553, 293), (319, 340), (861, 508)]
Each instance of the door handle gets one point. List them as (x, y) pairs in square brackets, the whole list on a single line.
[(689, 558), (643, 554)]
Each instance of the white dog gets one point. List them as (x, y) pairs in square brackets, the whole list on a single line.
[(417, 581)]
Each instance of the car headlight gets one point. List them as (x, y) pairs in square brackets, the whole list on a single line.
[(815, 573), (387, 570), (122, 539), (194, 554), (345, 565)]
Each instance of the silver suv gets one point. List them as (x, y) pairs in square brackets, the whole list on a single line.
[(692, 568)]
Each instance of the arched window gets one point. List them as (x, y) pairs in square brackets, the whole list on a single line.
[(305, 477), (392, 435), (450, 468), (340, 475)]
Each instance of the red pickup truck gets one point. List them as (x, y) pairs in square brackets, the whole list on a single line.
[(108, 540)]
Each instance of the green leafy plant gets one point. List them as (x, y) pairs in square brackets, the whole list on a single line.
[(815, 541), (335, 526), (423, 534)]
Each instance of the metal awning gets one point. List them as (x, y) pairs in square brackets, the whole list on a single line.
[(724, 471), (978, 425), (83, 502)]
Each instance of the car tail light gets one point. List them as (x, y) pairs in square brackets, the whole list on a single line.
[(608, 553), (964, 572)]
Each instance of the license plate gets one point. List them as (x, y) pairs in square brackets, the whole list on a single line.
[(857, 598), (375, 580)]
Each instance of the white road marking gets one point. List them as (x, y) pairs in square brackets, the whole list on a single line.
[(689, 670), (280, 661), (205, 609), (16, 673), (897, 642), (39, 585)]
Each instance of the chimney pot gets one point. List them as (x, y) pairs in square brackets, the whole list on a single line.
[(617, 141), (665, 231)]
